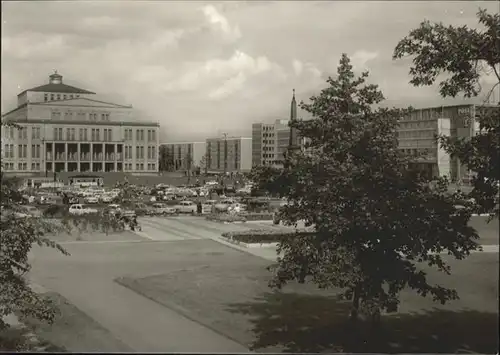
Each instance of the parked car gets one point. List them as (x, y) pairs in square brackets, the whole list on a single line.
[(244, 191), (91, 199), (79, 209), (49, 199), (208, 205), (223, 205), (106, 198), (142, 209), (186, 207), (32, 211), (162, 209), (27, 212), (112, 209), (237, 208)]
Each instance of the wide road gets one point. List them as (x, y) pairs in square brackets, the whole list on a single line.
[(86, 279)]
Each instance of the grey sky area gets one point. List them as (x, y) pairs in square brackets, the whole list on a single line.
[(200, 68)]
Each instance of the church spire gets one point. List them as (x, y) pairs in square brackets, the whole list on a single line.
[(293, 116), (293, 107)]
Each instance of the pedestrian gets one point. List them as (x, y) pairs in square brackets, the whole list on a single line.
[(134, 224), (199, 207)]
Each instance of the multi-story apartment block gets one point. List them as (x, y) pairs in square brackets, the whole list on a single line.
[(66, 129), (270, 141), (229, 154), (184, 155), (417, 131)]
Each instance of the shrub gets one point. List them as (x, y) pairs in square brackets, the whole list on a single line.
[(56, 211), (255, 216), (225, 217)]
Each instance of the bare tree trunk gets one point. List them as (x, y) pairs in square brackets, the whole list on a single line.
[(355, 303)]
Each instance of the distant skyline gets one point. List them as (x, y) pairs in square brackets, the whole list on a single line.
[(202, 68)]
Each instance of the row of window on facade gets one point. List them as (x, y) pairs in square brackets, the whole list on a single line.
[(268, 141), (22, 151), (73, 156), (435, 113), (268, 135), (22, 132), (139, 166), (139, 152), (416, 134), (418, 151), (139, 135), (83, 134), (22, 166), (79, 116), (416, 125), (36, 151), (272, 162), (54, 97)]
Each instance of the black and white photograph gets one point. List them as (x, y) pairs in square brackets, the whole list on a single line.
[(250, 176)]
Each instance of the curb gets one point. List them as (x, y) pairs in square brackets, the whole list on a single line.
[(250, 245), (225, 222)]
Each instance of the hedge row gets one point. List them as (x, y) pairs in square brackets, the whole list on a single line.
[(225, 217), (254, 216), (262, 235), (241, 217)]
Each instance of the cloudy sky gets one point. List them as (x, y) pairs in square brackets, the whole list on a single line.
[(203, 68)]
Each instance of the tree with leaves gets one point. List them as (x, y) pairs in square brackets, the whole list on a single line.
[(464, 55), (373, 218), (18, 234)]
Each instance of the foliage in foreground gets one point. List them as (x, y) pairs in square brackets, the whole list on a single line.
[(374, 219), (465, 55), (18, 234)]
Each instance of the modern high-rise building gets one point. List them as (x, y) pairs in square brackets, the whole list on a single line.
[(417, 131), (229, 154), (66, 129), (184, 155), (270, 141)]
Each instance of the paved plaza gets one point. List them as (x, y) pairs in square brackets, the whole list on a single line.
[(177, 252)]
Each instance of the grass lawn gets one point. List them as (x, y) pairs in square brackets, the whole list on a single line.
[(74, 330), (489, 232), (16, 339), (234, 300)]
